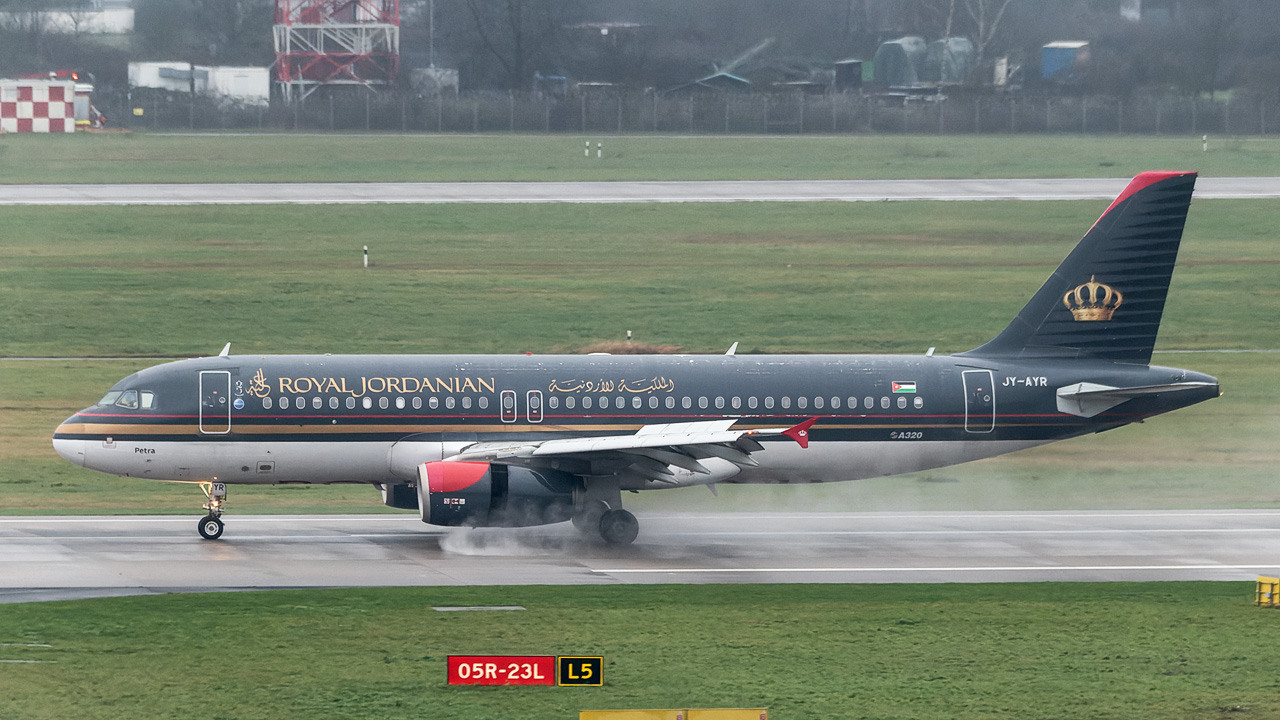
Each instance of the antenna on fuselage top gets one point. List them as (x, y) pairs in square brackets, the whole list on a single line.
[(226, 350)]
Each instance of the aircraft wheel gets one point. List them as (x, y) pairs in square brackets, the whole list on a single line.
[(619, 527), (210, 527), (587, 520)]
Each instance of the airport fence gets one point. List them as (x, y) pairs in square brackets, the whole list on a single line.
[(597, 113)]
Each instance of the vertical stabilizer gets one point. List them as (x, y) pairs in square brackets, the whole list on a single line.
[(1106, 299)]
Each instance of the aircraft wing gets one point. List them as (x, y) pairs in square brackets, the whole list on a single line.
[(650, 452)]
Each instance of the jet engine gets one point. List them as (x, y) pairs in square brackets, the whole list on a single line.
[(479, 494)]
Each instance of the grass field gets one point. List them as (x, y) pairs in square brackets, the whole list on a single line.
[(1075, 650), (142, 157), (888, 277)]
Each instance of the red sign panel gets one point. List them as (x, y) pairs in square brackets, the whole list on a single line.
[(502, 670)]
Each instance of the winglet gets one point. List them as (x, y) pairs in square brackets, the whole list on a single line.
[(800, 433)]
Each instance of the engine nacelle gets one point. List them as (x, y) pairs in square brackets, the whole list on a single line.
[(481, 494), (401, 497)]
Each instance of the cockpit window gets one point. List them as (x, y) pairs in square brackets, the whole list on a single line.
[(148, 400), (128, 400), (110, 398)]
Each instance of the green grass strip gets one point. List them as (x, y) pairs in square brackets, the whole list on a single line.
[(1042, 650)]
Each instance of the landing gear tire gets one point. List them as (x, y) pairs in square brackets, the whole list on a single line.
[(587, 520), (619, 527), (210, 527)]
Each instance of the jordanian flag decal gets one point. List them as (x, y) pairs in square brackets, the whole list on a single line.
[(904, 387)]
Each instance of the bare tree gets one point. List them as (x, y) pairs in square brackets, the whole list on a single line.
[(519, 33), (986, 16)]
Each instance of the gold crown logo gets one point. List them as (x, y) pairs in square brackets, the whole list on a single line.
[(1093, 301)]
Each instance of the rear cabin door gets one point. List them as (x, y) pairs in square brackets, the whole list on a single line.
[(979, 401), (215, 402)]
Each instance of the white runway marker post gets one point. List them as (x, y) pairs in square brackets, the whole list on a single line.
[(599, 150), (366, 256), (586, 151)]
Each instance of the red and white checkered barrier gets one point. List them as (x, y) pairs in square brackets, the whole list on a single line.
[(41, 106)]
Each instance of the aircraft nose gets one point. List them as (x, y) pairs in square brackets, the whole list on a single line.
[(70, 450)]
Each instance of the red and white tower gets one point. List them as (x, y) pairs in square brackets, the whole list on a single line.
[(335, 42)]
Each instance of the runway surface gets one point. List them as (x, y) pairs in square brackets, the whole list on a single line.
[(46, 558), (608, 192)]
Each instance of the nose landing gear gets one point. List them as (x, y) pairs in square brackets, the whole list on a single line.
[(210, 526)]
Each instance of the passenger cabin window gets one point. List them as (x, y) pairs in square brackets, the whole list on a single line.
[(466, 403), (802, 402), (383, 403), (817, 403), (686, 402), (719, 403), (417, 403), (300, 403), (884, 403), (919, 402), (399, 403), (586, 403), (702, 402), (351, 403), (434, 402), (570, 402), (367, 403), (484, 402), (449, 402), (751, 402), (317, 403), (333, 403), (671, 402), (553, 402), (768, 403), (266, 403), (902, 402), (786, 402)]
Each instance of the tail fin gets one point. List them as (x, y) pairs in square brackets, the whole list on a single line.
[(1105, 300)]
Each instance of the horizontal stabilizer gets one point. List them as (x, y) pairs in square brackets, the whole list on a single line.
[(1089, 399)]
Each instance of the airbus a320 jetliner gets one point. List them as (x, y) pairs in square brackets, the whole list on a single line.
[(491, 440)]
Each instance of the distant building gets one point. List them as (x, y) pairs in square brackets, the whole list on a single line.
[(1060, 60), (848, 75), (101, 17), (898, 62), (241, 85)]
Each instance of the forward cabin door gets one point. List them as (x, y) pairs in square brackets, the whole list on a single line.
[(215, 402), (979, 401)]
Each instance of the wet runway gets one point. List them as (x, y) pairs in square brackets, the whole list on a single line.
[(43, 558), (608, 192)]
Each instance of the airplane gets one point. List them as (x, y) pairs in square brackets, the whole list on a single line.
[(497, 440)]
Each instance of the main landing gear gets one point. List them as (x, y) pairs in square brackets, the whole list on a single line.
[(210, 526), (600, 517)]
